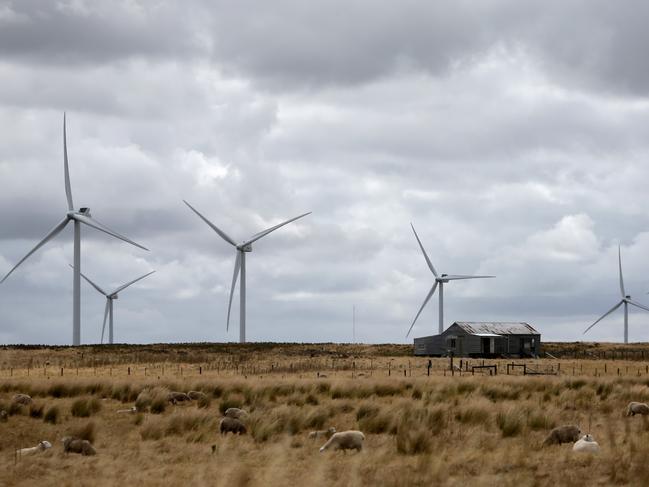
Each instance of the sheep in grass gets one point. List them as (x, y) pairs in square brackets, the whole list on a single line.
[(322, 433), (131, 410), (563, 434), (235, 413), (76, 445), (586, 444), (176, 397), (637, 408), (345, 440), (42, 446), (232, 425), (23, 399), (196, 395)]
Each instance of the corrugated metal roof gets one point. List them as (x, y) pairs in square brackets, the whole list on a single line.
[(497, 328)]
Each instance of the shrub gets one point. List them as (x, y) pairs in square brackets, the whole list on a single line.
[(52, 415), (510, 423)]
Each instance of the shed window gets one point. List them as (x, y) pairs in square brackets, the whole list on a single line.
[(451, 342)]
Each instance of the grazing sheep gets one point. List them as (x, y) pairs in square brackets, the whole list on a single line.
[(126, 411), (232, 425), (235, 413), (586, 444), (322, 433), (176, 397), (42, 446), (196, 395), (76, 445), (637, 408), (345, 440), (23, 399), (563, 434)]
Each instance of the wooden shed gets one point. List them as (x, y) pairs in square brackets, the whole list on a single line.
[(482, 339)]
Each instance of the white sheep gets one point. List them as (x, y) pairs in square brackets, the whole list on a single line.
[(126, 411), (42, 446), (637, 408), (586, 444), (322, 433), (235, 413), (345, 440)]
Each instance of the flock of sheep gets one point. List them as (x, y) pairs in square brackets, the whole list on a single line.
[(234, 422), (586, 443)]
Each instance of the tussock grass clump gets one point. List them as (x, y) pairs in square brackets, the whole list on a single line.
[(204, 402), (472, 415), (377, 423), (540, 421), (386, 389), (317, 418), (312, 400), (84, 407), (124, 393), (16, 408), (36, 410), (158, 405), (574, 383), (510, 423), (366, 410), (52, 415), (495, 393), (154, 399), (282, 419)]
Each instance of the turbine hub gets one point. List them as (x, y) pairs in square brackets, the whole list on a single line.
[(627, 297), (245, 248)]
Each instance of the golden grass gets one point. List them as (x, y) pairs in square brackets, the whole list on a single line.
[(440, 430)]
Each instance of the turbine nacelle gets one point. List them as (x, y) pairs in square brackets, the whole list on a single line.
[(245, 247)]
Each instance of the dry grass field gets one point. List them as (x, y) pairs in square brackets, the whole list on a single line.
[(420, 429)]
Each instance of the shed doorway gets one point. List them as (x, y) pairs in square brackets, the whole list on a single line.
[(487, 345)]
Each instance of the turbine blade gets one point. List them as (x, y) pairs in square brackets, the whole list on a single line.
[(91, 222), (457, 277), (90, 282), (259, 235), (430, 294), (619, 259), (638, 305), (53, 233), (237, 266), (430, 264), (66, 170), (103, 328), (223, 235), (605, 315), (121, 288)]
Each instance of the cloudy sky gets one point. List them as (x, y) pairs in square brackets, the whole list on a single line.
[(514, 135)]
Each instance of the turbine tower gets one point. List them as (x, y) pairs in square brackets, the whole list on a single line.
[(77, 217), (440, 280), (626, 301), (240, 265), (110, 297)]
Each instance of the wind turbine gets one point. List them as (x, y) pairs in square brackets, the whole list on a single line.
[(440, 280), (240, 265), (626, 301), (77, 217), (110, 297)]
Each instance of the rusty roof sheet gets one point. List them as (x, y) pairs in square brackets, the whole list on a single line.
[(497, 327)]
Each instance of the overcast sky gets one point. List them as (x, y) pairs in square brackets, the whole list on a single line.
[(514, 135)]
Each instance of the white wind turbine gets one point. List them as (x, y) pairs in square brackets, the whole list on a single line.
[(110, 297), (440, 280), (626, 301), (77, 217), (240, 266)]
